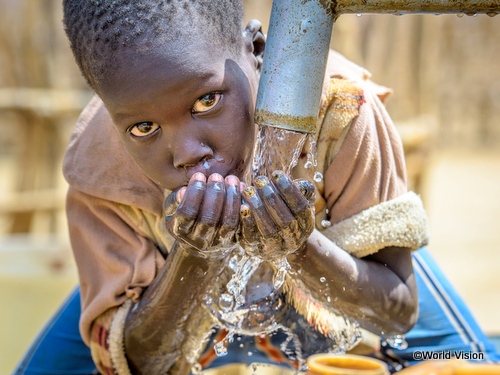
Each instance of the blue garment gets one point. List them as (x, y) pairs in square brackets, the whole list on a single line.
[(59, 349), (445, 324)]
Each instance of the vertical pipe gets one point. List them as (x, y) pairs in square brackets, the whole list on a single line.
[(294, 64)]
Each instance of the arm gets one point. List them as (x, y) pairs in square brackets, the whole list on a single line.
[(161, 323), (157, 326), (379, 291)]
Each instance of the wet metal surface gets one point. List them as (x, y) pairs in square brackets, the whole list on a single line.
[(295, 123), (294, 65)]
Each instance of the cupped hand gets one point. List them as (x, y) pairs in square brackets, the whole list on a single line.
[(277, 216), (205, 213)]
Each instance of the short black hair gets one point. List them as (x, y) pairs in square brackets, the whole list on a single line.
[(99, 29)]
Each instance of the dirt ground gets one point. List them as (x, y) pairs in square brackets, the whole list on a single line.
[(462, 197)]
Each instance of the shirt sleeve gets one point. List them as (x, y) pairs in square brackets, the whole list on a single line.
[(116, 262), (364, 192)]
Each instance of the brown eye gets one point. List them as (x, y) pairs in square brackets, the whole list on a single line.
[(206, 102), (143, 129)]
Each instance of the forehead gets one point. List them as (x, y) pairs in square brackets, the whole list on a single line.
[(174, 70)]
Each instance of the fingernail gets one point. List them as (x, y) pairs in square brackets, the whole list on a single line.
[(306, 188), (261, 181), (216, 177), (232, 180), (180, 194), (249, 191), (199, 176), (277, 175), (245, 211)]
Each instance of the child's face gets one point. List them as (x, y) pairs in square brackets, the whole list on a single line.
[(185, 110)]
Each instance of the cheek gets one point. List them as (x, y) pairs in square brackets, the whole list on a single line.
[(153, 161)]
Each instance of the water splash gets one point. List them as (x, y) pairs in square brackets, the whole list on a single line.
[(282, 267), (242, 272), (276, 149), (221, 347)]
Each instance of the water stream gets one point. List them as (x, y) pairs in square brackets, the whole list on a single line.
[(251, 300)]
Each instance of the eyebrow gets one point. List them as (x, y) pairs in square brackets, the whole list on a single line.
[(199, 81)]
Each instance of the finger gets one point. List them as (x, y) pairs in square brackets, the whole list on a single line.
[(306, 189), (275, 206), (231, 212), (208, 219), (171, 203), (187, 212), (262, 219), (249, 232), (296, 202)]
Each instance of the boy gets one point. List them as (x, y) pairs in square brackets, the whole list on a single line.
[(173, 123)]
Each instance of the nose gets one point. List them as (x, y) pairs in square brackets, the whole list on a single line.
[(190, 152)]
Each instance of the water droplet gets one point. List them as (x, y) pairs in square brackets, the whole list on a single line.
[(460, 15), (322, 279), (329, 299), (491, 14), (202, 144), (358, 15), (397, 342), (318, 177), (343, 288), (326, 224), (308, 164), (250, 354), (471, 14), (241, 345), (182, 278)]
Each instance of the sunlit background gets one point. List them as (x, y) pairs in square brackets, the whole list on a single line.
[(445, 73)]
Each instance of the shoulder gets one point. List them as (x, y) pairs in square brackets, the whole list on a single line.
[(97, 163)]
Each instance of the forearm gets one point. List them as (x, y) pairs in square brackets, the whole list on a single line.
[(156, 326), (378, 291)]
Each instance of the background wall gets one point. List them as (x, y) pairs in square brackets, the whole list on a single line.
[(446, 77)]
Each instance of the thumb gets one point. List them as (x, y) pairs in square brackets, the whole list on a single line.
[(171, 203), (307, 189)]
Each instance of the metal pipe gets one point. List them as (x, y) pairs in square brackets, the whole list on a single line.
[(294, 64), (297, 49), (490, 7)]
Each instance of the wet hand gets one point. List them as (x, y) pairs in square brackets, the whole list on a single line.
[(205, 213), (277, 217)]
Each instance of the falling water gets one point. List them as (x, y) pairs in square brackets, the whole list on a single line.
[(276, 149)]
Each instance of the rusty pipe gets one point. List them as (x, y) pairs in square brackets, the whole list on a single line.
[(297, 49), (490, 7), (294, 64)]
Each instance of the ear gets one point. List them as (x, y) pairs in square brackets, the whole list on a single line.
[(255, 41)]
